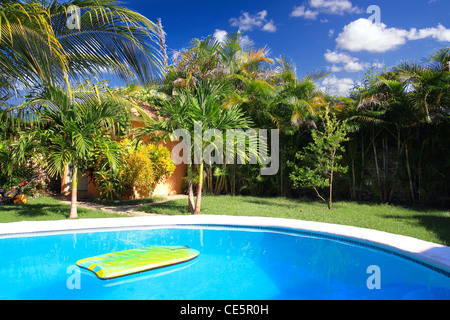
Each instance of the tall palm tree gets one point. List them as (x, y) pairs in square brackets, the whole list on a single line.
[(428, 84), (210, 107), (38, 49), (208, 104), (77, 127), (111, 39)]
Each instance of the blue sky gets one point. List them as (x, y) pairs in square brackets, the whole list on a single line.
[(338, 36)]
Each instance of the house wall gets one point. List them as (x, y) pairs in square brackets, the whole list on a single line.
[(171, 185)]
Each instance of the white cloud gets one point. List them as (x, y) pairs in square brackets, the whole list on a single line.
[(378, 65), (350, 64), (337, 86), (220, 35), (345, 62), (302, 11), (270, 27), (330, 33), (248, 22), (334, 6), (363, 35), (315, 7), (335, 68), (354, 66), (440, 33), (336, 57), (244, 40)]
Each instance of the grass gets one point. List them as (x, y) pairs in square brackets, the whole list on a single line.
[(426, 224), (128, 202), (46, 208)]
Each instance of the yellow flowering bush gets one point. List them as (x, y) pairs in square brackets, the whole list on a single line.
[(149, 165), (139, 170)]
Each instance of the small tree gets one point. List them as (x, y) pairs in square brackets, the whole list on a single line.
[(319, 161), (76, 126)]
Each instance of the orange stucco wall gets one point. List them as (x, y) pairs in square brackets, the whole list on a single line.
[(171, 185)]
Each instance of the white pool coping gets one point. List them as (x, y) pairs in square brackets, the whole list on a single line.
[(428, 252)]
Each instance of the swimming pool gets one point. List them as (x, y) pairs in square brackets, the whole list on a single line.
[(235, 262)]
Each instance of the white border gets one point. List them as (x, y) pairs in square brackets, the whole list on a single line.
[(432, 253)]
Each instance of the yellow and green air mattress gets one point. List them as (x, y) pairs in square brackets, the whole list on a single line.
[(122, 263)]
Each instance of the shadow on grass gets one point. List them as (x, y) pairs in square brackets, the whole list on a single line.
[(439, 225), (47, 211), (172, 207), (130, 202), (269, 202), (37, 210)]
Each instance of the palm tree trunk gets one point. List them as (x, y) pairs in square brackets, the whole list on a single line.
[(397, 163), (377, 168), (385, 166), (408, 169), (190, 190), (210, 179), (363, 163), (73, 202), (198, 204), (353, 186)]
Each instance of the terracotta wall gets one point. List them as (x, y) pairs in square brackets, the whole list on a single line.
[(171, 185)]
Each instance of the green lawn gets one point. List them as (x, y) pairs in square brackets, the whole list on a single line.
[(46, 208), (427, 224)]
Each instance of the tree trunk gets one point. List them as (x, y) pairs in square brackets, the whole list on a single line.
[(320, 196), (408, 169), (330, 200), (73, 202), (190, 190), (363, 163), (199, 189), (380, 189), (210, 179), (385, 166), (397, 163), (353, 187)]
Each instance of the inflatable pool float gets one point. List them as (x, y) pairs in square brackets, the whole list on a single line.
[(122, 263)]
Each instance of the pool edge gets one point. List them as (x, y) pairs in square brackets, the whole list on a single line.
[(428, 252)]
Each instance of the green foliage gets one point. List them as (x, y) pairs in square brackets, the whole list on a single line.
[(149, 165), (138, 169), (37, 48), (319, 160)]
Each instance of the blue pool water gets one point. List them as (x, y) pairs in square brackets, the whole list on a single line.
[(233, 264)]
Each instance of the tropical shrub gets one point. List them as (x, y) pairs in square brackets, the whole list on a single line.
[(139, 170), (149, 165)]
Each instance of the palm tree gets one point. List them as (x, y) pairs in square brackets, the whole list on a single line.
[(76, 128), (38, 49), (405, 109), (208, 104), (112, 39), (428, 84)]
